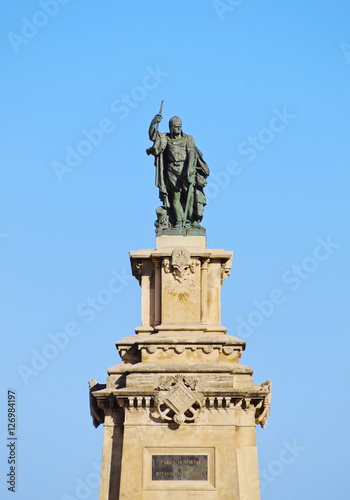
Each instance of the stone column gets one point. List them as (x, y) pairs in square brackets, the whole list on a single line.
[(157, 292), (214, 285), (147, 300), (204, 292)]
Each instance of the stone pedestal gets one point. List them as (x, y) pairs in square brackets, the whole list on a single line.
[(180, 411)]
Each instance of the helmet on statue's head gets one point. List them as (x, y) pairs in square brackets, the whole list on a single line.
[(175, 121)]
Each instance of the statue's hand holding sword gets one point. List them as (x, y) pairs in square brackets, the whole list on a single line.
[(152, 133)]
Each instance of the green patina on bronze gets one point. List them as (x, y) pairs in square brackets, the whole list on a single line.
[(181, 176)]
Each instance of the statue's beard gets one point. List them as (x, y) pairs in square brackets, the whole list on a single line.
[(173, 136)]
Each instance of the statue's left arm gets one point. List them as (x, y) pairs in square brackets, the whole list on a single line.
[(191, 159)]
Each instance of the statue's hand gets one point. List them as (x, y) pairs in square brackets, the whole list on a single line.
[(157, 119)]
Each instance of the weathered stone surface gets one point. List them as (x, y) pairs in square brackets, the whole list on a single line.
[(192, 243), (180, 391), (180, 285)]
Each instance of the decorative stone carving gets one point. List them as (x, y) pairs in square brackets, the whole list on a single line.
[(180, 260), (264, 410), (227, 350), (179, 349), (225, 272), (95, 409), (193, 264), (166, 266), (181, 264), (151, 349), (137, 270), (178, 400), (207, 349), (186, 287)]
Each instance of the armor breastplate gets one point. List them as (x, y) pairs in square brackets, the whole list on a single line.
[(176, 150)]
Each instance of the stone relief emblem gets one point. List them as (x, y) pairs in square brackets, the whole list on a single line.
[(183, 290), (180, 259), (181, 264), (179, 400)]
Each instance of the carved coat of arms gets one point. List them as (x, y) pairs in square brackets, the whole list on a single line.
[(181, 264), (179, 400)]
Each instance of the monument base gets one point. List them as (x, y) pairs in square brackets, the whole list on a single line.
[(213, 459), (180, 411), (179, 417)]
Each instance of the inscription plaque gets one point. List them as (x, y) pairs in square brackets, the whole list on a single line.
[(179, 467)]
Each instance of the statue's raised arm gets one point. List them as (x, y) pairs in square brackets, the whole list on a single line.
[(152, 132), (181, 176)]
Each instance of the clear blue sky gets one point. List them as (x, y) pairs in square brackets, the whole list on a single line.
[(264, 89)]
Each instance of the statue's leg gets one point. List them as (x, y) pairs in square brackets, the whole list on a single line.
[(198, 216), (177, 208), (200, 210), (190, 214)]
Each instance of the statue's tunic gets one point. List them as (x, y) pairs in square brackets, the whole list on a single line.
[(171, 156), (175, 155)]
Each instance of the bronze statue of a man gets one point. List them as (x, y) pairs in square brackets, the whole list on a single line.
[(181, 176)]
